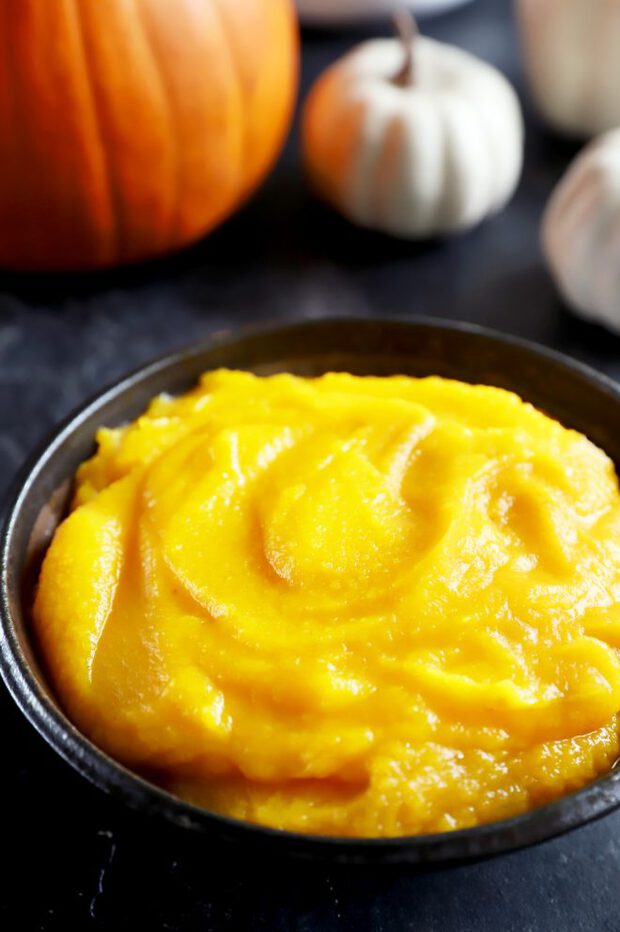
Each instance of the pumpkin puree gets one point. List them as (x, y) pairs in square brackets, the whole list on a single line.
[(353, 606)]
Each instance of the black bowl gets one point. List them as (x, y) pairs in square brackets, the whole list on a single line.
[(575, 395)]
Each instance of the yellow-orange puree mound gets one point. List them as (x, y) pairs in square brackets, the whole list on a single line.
[(354, 606)]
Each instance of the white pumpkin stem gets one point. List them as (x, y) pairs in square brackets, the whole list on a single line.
[(407, 30)]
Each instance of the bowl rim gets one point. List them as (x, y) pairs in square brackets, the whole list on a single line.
[(586, 805)]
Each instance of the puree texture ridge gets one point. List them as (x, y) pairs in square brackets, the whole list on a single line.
[(347, 605)]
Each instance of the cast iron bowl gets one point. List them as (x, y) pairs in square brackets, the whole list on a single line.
[(575, 395)]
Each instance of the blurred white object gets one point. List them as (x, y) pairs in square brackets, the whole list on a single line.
[(581, 232), (572, 59), (416, 152), (319, 12)]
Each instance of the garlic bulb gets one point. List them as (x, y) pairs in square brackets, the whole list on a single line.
[(572, 58), (413, 137), (581, 232)]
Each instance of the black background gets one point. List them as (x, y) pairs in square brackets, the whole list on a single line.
[(75, 860)]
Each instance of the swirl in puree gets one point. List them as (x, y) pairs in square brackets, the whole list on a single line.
[(344, 605)]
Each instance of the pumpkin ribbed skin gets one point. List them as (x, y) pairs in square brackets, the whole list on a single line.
[(570, 54), (432, 156), (580, 232), (130, 128)]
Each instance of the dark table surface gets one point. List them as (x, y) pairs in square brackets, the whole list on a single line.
[(74, 860)]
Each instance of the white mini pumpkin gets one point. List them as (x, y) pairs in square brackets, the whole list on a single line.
[(581, 232), (321, 12), (416, 139), (571, 51)]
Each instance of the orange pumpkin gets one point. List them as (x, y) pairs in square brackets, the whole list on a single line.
[(129, 128)]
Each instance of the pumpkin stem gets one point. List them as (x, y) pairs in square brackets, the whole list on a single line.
[(407, 31)]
